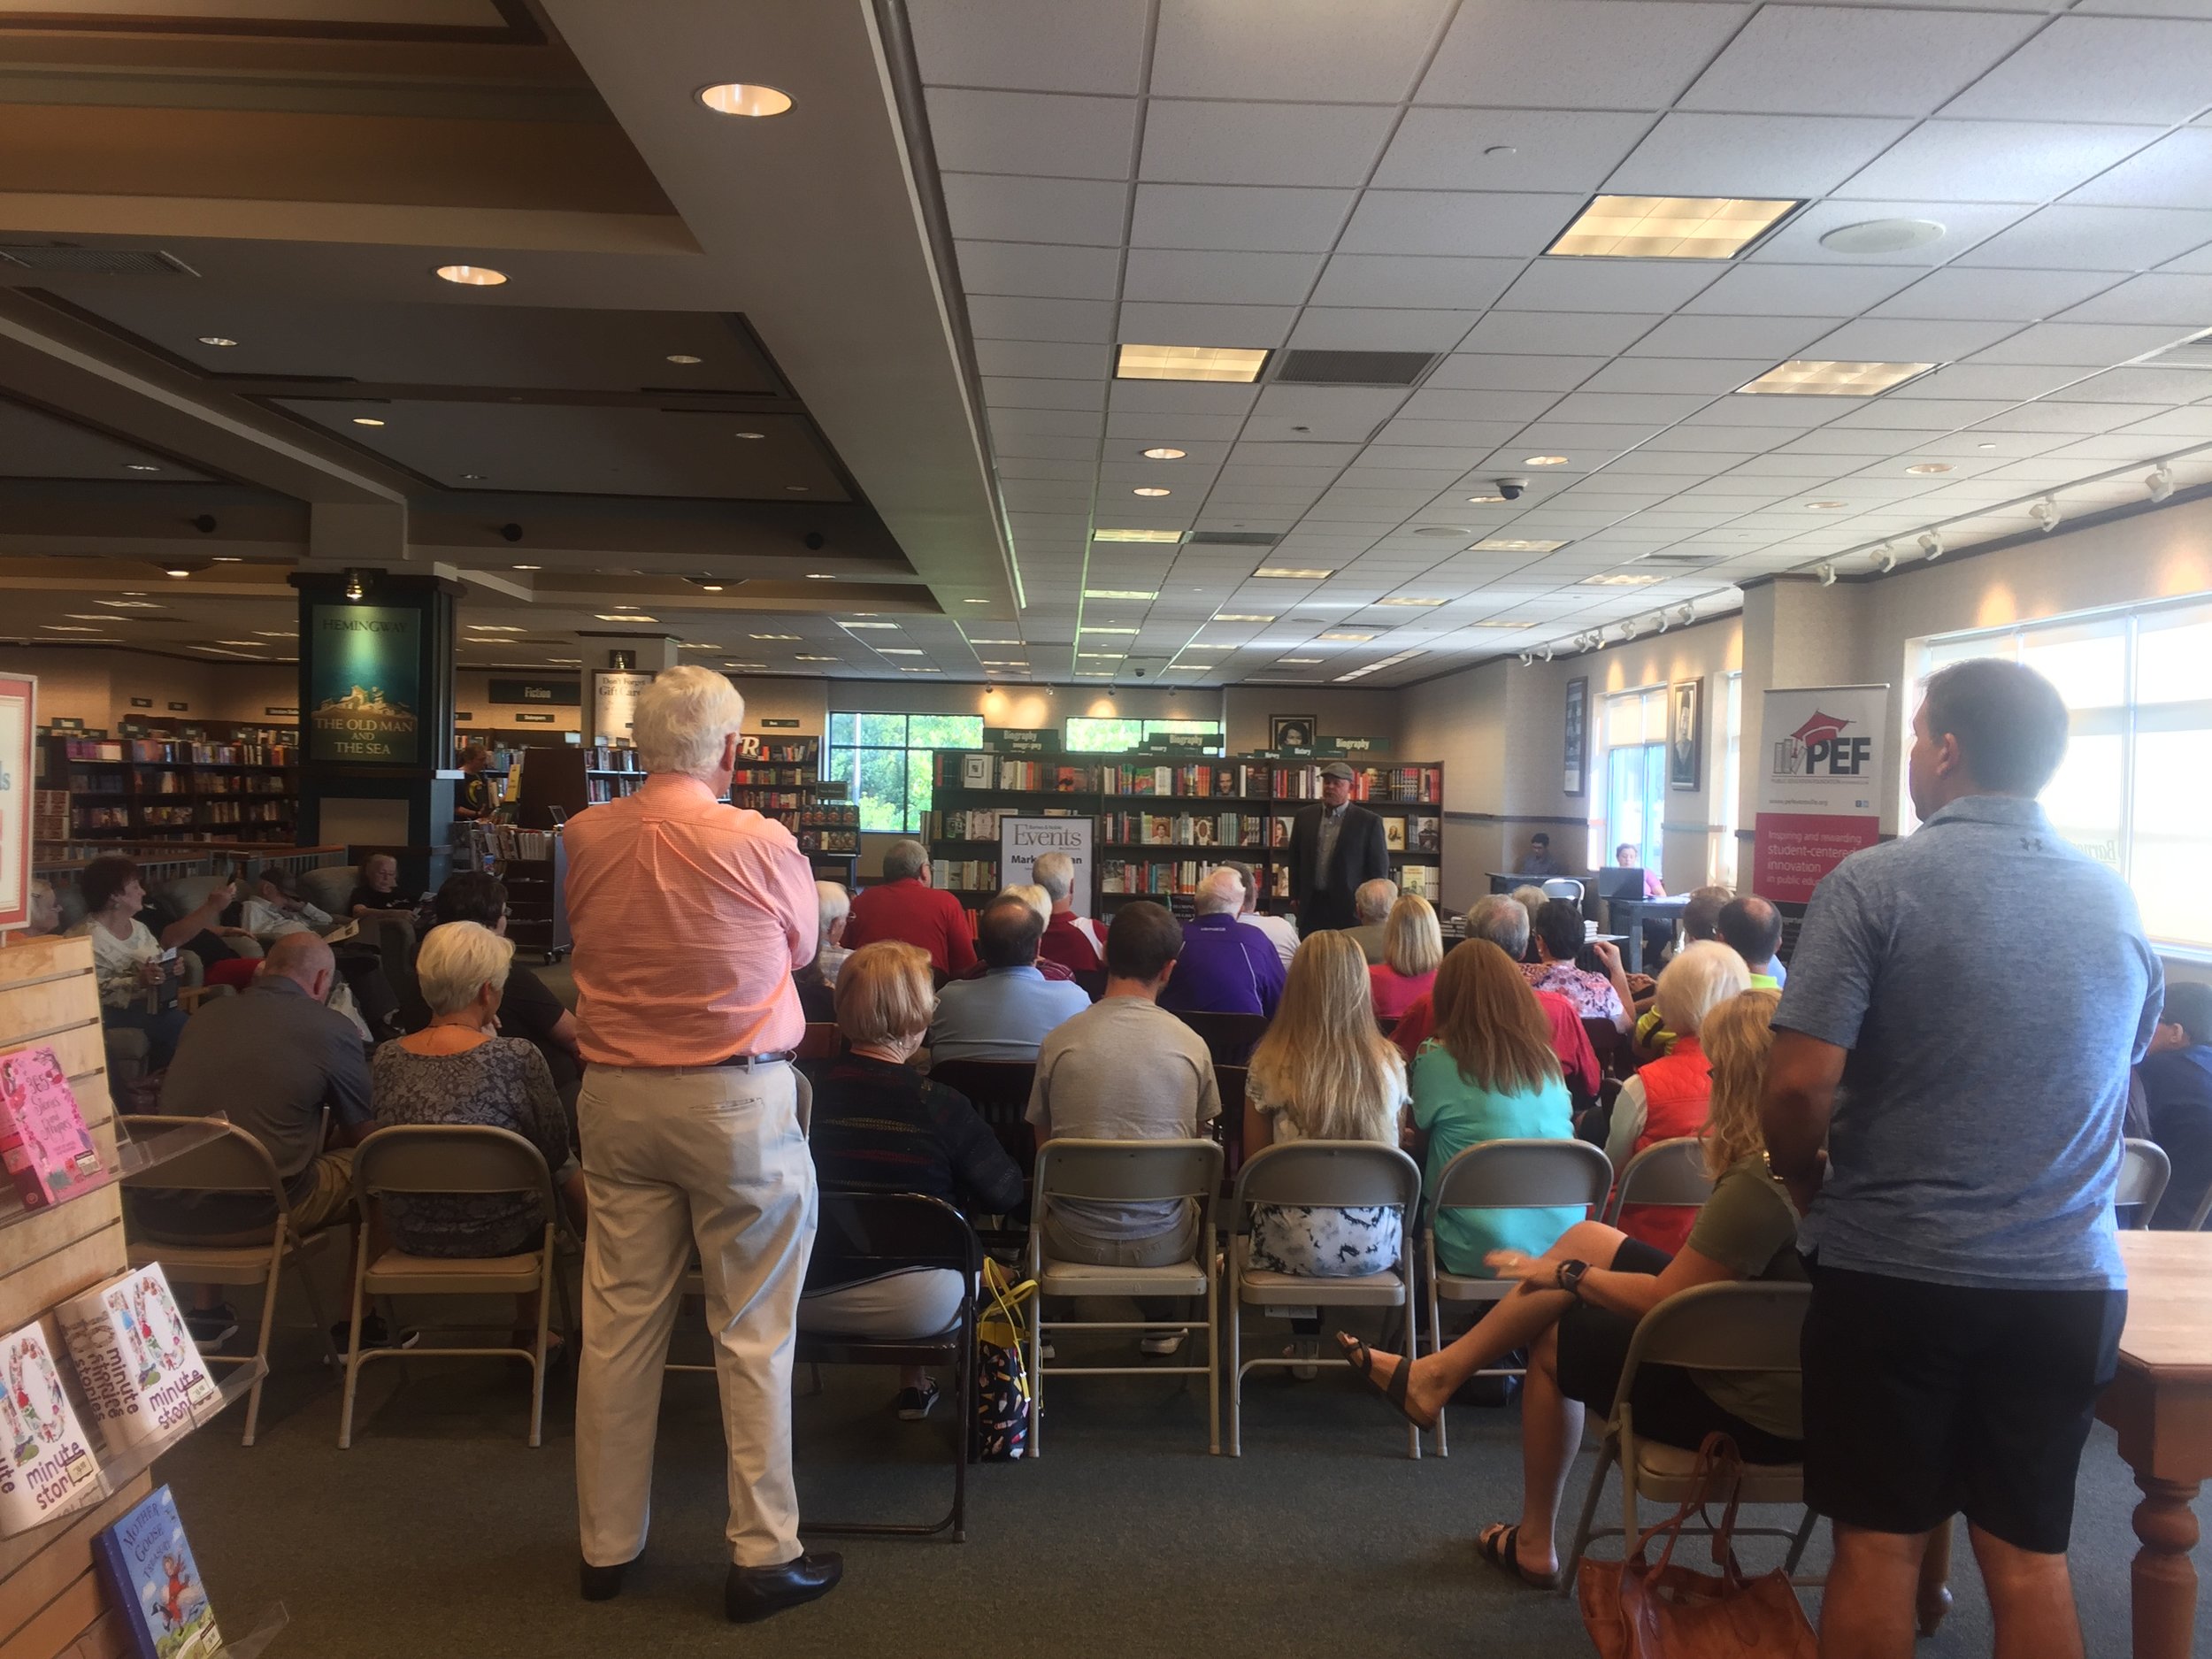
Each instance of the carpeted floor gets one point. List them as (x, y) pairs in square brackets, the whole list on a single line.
[(441, 1533)]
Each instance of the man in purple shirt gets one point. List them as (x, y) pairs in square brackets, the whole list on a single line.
[(1226, 967)]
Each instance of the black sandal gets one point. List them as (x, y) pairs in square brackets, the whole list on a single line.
[(1393, 1393), (1500, 1547)]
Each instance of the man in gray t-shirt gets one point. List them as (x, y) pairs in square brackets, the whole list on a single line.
[(1126, 1070), (1969, 1084)]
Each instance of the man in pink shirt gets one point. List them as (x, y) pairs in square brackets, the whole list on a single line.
[(688, 917)]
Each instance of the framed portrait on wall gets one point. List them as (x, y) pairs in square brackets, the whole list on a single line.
[(1686, 734), (1290, 731), (1577, 739)]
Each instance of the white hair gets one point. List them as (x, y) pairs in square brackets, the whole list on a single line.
[(1055, 874), (834, 903), (1501, 921), (682, 718), (1222, 891), (457, 960), (1034, 894), (1705, 975), (902, 859), (1372, 900)]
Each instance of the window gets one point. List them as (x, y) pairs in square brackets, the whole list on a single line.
[(884, 762), (1088, 736), (1635, 775), (1724, 861), (2130, 792)]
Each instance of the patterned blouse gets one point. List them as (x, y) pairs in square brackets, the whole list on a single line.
[(1323, 1242), (501, 1082), (1592, 994)]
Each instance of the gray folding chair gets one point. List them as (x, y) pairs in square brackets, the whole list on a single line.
[(1563, 888), (1664, 1172), (2145, 1170), (1126, 1171), (1723, 1327), (452, 1159), (234, 1161), (1328, 1174), (1504, 1175)]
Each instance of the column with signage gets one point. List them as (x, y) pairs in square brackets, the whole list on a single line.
[(1819, 785), (376, 715)]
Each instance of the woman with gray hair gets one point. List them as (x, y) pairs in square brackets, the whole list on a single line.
[(459, 1070)]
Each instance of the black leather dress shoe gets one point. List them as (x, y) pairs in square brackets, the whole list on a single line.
[(753, 1593), (602, 1584)]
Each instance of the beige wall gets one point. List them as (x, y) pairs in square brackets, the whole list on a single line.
[(96, 686)]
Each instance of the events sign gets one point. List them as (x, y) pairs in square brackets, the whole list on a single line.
[(1023, 840), (363, 692), (1820, 784)]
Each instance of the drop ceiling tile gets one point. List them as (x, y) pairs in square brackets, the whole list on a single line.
[(1537, 53), (1472, 371), (1358, 409), (1303, 454), (2099, 69), (1031, 133), (1994, 161), (1149, 427), (2169, 297), (1848, 441), (1096, 48), (2050, 415), (1007, 442), (2096, 238), (1927, 414), (1957, 293), (1238, 217), (1351, 328), (1203, 142), (1457, 222), (1249, 475), (1655, 409), (1609, 284), (1058, 423), (1840, 60), (1890, 340), (2111, 448), (1018, 466), (1040, 270), (1290, 48), (1005, 317), (994, 207), (1473, 437), (1047, 359), (1206, 324), (1774, 338), (1176, 397), (1193, 276), (1506, 150), (1795, 290), (2147, 384), (2175, 423), (1675, 375), (1557, 333), (1965, 224), (2091, 345), (1792, 155), (1001, 392), (2175, 172), (1983, 380), (1762, 413), (1437, 280)]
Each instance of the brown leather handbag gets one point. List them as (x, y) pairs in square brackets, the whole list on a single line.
[(1635, 1610)]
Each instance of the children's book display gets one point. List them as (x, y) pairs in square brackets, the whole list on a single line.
[(153, 1583), (46, 1462), (142, 1375), (44, 1145)]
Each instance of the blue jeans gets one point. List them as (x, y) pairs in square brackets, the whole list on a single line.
[(162, 1030)]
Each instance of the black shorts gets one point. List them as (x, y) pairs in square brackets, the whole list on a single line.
[(1670, 1407), (1922, 1401)]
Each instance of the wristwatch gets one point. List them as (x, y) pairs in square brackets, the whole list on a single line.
[(1568, 1278)]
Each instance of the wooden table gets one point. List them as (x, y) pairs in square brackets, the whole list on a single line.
[(2160, 1406)]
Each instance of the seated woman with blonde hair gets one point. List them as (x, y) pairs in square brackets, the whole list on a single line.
[(1323, 1072), (1413, 948), (1577, 1306), (881, 1126)]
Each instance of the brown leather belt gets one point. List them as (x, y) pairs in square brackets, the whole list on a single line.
[(756, 1060)]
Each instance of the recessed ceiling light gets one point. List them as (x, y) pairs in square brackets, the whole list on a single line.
[(216, 340), (1164, 453), (1618, 579), (1826, 506), (1100, 656), (736, 97), (749, 435), (1001, 662), (683, 357), (472, 478), (1543, 460), (796, 489), (1086, 629), (132, 603), (1442, 529), (1403, 600), (710, 587), (867, 625), (1292, 572), (975, 602), (1883, 235), (1929, 469), (366, 421), (1348, 638), (473, 276), (251, 645), (1300, 661), (139, 466), (1119, 593), (277, 634), (820, 576), (1240, 616), (1810, 377), (228, 558), (526, 567), (63, 628), (1151, 489), (814, 659), (177, 571), (775, 636), (620, 616), (1136, 536), (1232, 363), (1667, 227), (1985, 446), (1490, 500), (1514, 544)]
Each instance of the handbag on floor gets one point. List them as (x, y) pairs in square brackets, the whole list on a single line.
[(1001, 1383), (1635, 1610)]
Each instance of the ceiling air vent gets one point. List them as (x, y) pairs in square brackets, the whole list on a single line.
[(1353, 368), (1233, 538), (64, 261), (1678, 558)]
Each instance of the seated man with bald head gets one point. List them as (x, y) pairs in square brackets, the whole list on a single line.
[(1752, 927), (1371, 902), (1226, 967), (272, 1059)]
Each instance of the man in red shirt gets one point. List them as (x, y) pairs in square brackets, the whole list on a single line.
[(905, 907), (1504, 924), (1076, 942), (688, 916)]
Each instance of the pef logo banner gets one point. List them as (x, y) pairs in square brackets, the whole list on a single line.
[(1820, 793)]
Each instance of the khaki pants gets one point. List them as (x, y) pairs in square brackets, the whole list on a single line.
[(711, 1155)]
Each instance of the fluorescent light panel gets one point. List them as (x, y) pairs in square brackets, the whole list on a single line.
[(1618, 579), (1168, 536), (1813, 377), (1667, 227), (1233, 365), (1119, 593), (1512, 544), (1291, 573)]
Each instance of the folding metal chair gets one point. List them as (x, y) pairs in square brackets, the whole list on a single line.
[(1504, 1175), (1328, 1174), (1563, 888), (2145, 1168), (1126, 1172), (1671, 1173), (1229, 1037), (1729, 1327), (452, 1159)]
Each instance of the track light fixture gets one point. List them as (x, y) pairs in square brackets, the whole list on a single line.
[(2160, 481), (354, 589), (1528, 660), (1884, 558), (1545, 653), (1662, 622), (2046, 514), (1826, 572), (1932, 544), (1628, 632), (1686, 613)]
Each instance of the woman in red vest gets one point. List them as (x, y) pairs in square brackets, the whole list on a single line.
[(1666, 1099)]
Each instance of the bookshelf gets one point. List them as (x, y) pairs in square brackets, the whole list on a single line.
[(155, 789), (1163, 822)]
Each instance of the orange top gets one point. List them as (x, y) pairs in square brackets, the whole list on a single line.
[(688, 916)]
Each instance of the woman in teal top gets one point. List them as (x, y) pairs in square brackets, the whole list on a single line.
[(1487, 1074)]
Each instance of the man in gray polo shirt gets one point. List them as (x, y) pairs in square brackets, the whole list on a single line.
[(1967, 1294)]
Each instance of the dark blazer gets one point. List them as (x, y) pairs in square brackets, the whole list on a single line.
[(1361, 855)]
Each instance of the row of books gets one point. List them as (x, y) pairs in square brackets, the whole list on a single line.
[(1185, 829), (1149, 877), (164, 816), (829, 841), (1241, 779), (247, 812), (102, 782), (998, 772), (964, 875), (611, 788), (509, 841), (100, 818), (769, 802), (765, 777), (180, 753)]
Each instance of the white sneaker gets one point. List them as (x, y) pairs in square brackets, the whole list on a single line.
[(1308, 1350), (1160, 1344)]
